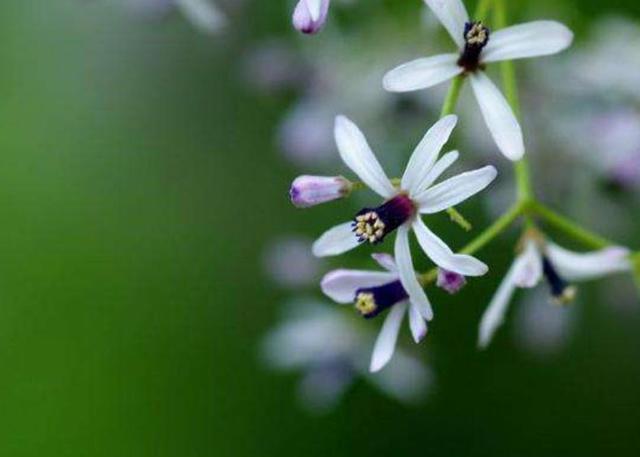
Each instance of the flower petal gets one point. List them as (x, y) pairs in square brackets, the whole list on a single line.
[(590, 265), (455, 190), (422, 73), (386, 342), (357, 154), (441, 254), (314, 7), (532, 39), (493, 316), (452, 15), (335, 241), (426, 153), (499, 117), (386, 261), (407, 273), (528, 266), (417, 324), (202, 14), (341, 285), (436, 171)]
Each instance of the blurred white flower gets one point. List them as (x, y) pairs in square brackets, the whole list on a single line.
[(289, 263), (202, 14), (402, 207), (478, 47), (540, 327), (557, 265), (330, 348)]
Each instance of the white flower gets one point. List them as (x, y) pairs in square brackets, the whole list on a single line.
[(402, 207), (330, 348), (373, 293), (557, 265), (478, 46)]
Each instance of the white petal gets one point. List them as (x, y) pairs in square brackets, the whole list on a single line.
[(532, 39), (453, 16), (417, 324), (386, 261), (357, 154), (422, 73), (493, 316), (528, 266), (426, 153), (335, 241), (341, 285), (584, 266), (405, 378), (441, 255), (386, 342), (455, 190), (202, 14), (314, 7), (436, 171), (499, 117), (407, 273)]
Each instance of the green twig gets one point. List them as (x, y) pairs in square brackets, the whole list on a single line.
[(459, 219), (488, 235), (453, 94), (568, 227), (482, 10)]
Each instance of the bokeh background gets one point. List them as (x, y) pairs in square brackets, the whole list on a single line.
[(141, 182)]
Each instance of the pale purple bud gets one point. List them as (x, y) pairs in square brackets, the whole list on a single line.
[(450, 281), (309, 191), (310, 16)]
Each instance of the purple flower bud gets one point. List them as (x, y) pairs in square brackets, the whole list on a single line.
[(309, 191), (450, 281), (310, 15)]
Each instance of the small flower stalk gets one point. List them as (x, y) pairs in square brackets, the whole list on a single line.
[(307, 191)]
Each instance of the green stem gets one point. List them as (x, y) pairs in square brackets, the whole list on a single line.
[(568, 227), (482, 10), (488, 235), (452, 97), (636, 269)]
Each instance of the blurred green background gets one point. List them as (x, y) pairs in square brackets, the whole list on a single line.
[(139, 184)]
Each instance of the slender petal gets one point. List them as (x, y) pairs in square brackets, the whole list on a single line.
[(417, 324), (386, 342), (422, 73), (499, 117), (386, 261), (455, 190), (341, 285), (314, 7), (202, 14), (408, 275), (532, 39), (426, 153), (493, 316), (436, 171), (452, 15), (335, 241), (591, 265), (528, 266), (357, 154), (441, 255)]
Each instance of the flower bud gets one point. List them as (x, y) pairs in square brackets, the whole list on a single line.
[(450, 281), (309, 191), (310, 16)]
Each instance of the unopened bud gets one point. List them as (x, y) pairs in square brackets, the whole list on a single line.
[(310, 16), (309, 191), (450, 281)]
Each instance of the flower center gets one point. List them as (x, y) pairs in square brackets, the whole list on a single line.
[(563, 293), (476, 37), (373, 224), (371, 301)]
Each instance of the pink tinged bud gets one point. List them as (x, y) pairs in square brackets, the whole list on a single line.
[(309, 191), (450, 281), (310, 16)]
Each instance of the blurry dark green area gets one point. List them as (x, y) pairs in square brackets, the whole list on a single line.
[(139, 185)]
